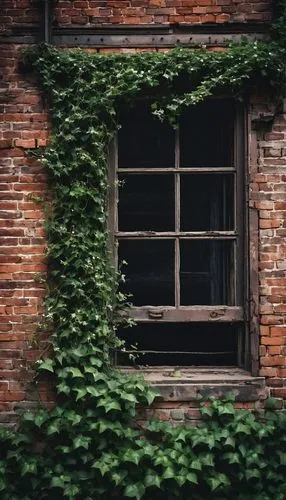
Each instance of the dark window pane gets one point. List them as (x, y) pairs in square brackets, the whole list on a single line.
[(181, 344), (149, 271), (207, 202), (206, 272), (144, 141), (146, 203), (206, 135)]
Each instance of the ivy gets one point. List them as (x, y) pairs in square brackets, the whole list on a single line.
[(90, 445)]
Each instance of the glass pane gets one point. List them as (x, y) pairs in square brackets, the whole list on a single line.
[(149, 271), (144, 141), (207, 202), (206, 272), (183, 344), (146, 203), (206, 135)]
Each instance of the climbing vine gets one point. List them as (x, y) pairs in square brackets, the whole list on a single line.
[(89, 445)]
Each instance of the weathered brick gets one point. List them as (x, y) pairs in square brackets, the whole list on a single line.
[(25, 124)]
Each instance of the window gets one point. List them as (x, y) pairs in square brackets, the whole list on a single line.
[(177, 220)]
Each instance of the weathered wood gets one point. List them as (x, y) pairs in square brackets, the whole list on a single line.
[(253, 263), (184, 392), (209, 235), (207, 381), (183, 170), (185, 314)]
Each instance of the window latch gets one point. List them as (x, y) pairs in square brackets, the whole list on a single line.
[(155, 314), (217, 314)]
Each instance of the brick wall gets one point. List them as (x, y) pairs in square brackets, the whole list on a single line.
[(267, 195), (98, 12), (24, 124), (18, 13), (92, 12)]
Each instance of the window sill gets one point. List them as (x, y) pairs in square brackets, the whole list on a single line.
[(185, 383)]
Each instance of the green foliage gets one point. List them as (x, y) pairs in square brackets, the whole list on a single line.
[(89, 445), (87, 452)]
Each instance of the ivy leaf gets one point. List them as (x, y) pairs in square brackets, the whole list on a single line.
[(232, 458), (93, 391), (73, 417), (95, 361), (152, 479), (71, 490), (207, 410), (102, 466), (196, 465), (75, 372), (210, 441), (132, 456), (129, 397), (47, 364), (58, 482), (134, 491), (81, 442), (230, 442), (182, 460), (150, 396), (90, 369), (181, 480), (207, 460), (282, 456), (192, 478), (64, 388), (217, 481), (80, 393), (109, 405), (29, 467), (252, 473), (53, 428), (118, 477), (241, 428), (40, 418), (181, 436), (169, 473), (226, 409)]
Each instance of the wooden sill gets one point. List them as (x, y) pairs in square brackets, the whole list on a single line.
[(186, 383)]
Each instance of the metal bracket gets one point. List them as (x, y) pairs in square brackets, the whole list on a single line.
[(166, 40), (118, 36)]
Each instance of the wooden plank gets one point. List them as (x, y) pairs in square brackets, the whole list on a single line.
[(185, 314), (253, 262), (177, 219), (174, 391), (209, 235), (112, 196), (183, 170)]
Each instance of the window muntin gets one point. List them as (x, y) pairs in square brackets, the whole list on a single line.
[(177, 225)]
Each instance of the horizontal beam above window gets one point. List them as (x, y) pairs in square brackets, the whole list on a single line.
[(198, 235), (185, 170)]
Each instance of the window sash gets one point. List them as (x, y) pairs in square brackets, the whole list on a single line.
[(179, 312)]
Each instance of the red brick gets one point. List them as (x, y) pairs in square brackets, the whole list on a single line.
[(273, 341), (25, 143), (278, 393), (278, 331), (272, 360)]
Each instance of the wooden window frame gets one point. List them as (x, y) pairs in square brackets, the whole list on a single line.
[(195, 313)]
